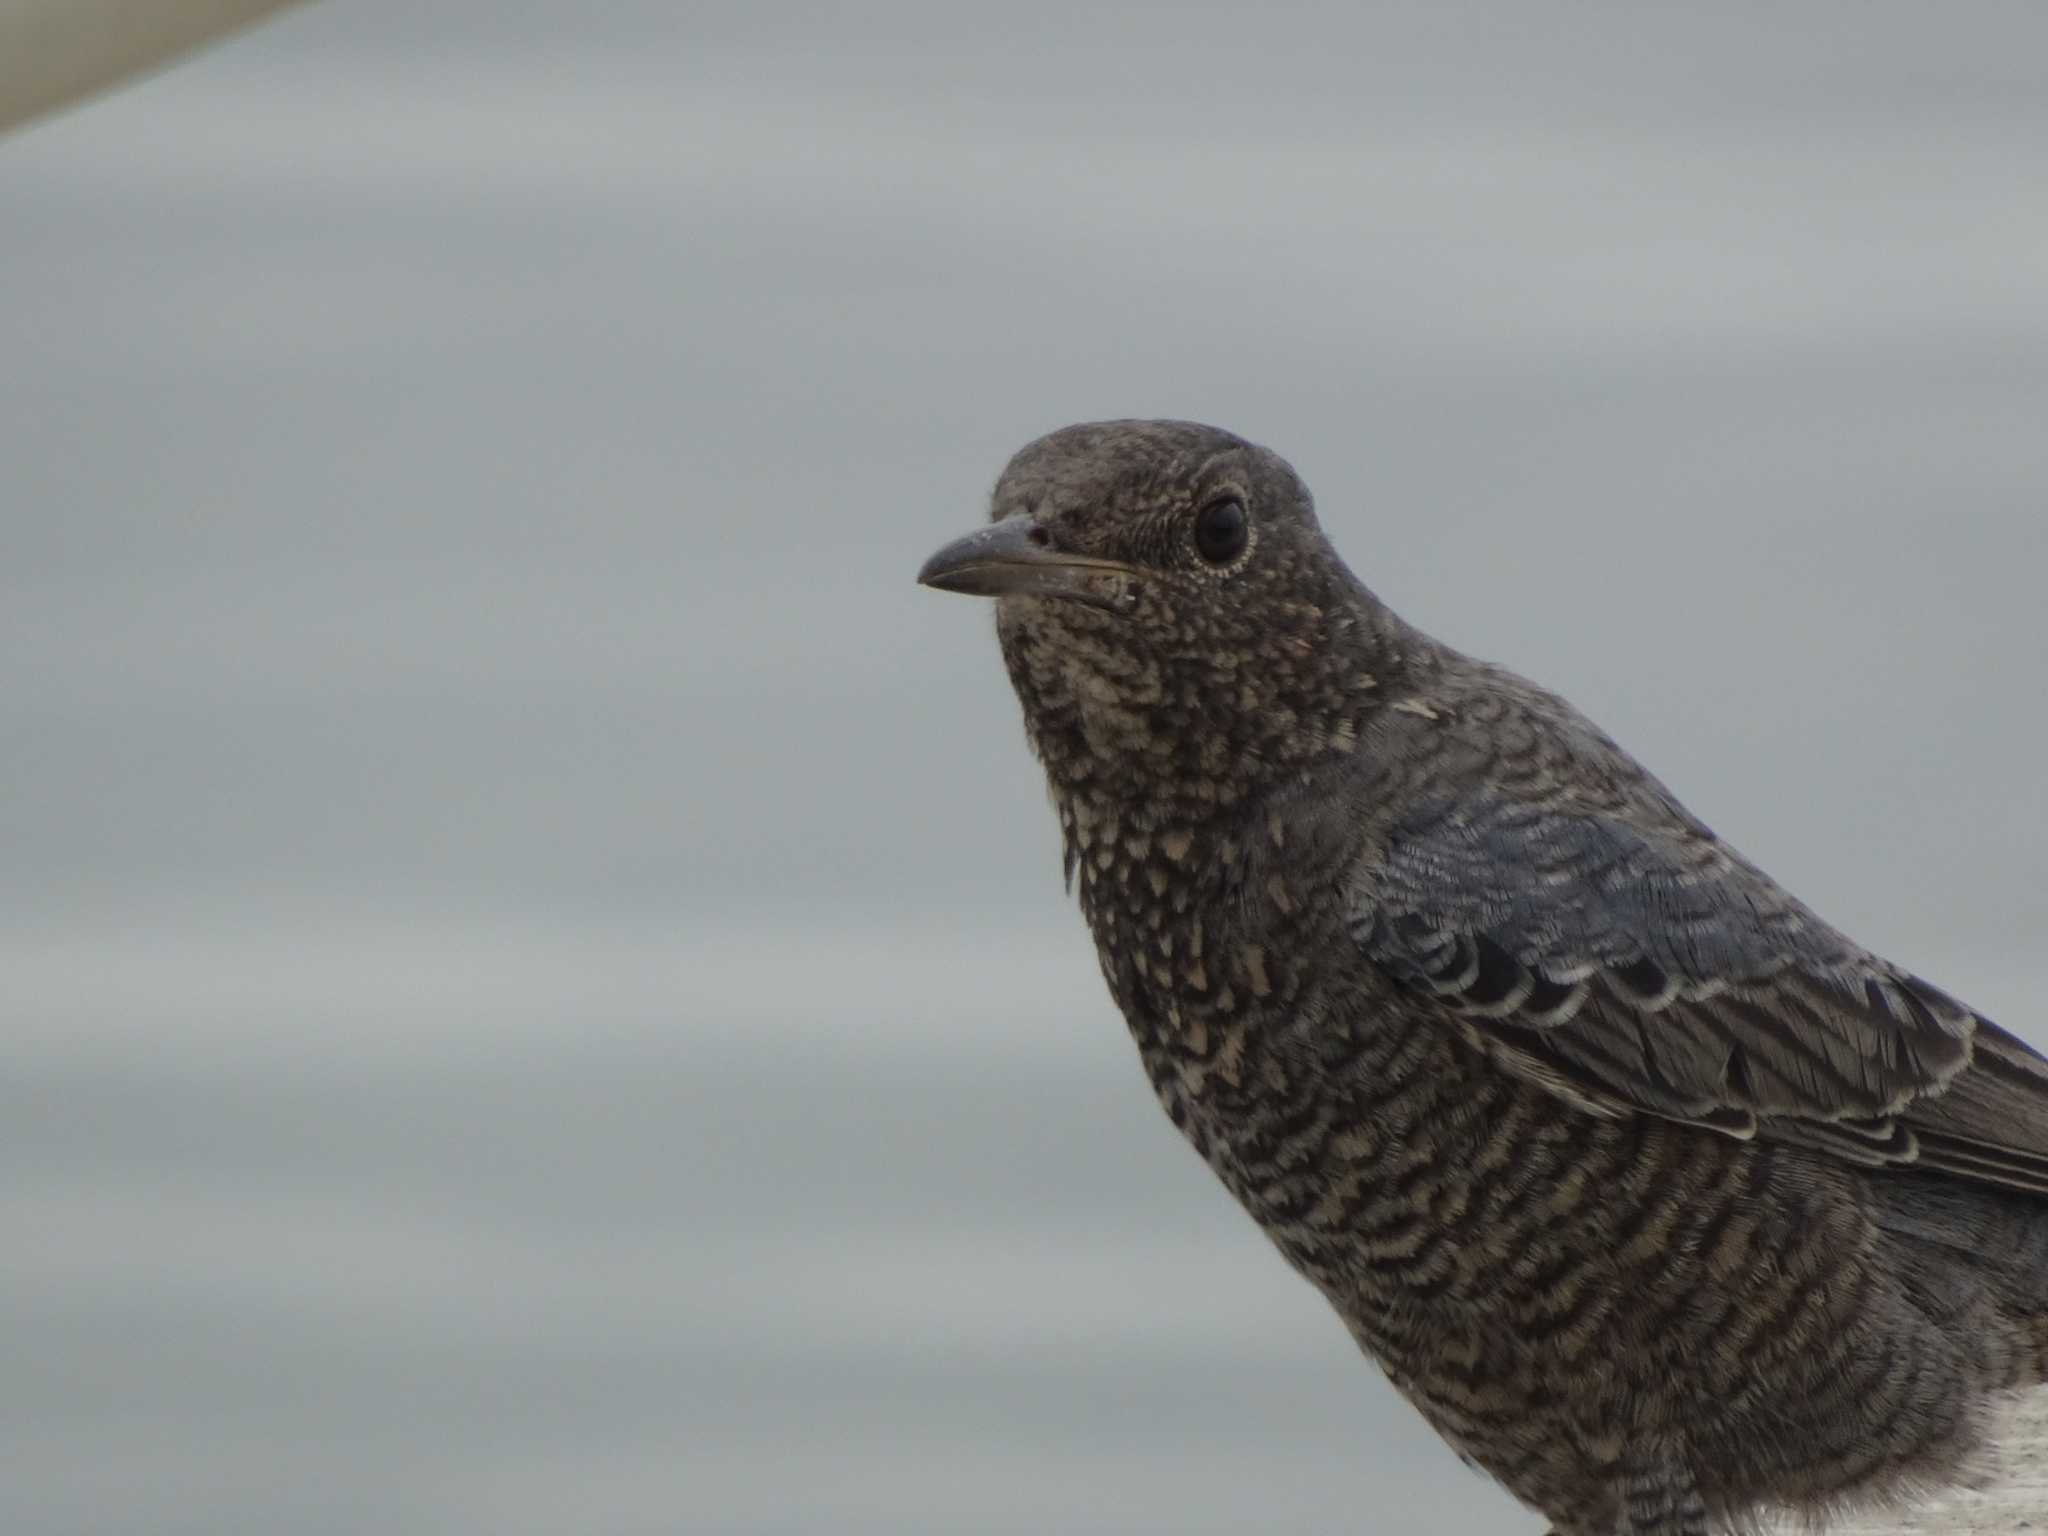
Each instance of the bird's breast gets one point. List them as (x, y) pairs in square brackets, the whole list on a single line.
[(1199, 941)]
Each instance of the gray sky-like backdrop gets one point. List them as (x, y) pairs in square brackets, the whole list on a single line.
[(534, 989)]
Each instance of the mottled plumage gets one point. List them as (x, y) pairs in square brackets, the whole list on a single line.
[(1665, 1202)]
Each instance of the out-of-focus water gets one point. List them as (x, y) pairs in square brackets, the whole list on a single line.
[(341, 1229)]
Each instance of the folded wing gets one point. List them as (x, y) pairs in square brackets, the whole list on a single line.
[(1627, 960)]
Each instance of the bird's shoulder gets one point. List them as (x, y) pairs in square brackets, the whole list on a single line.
[(1463, 725), (1523, 877)]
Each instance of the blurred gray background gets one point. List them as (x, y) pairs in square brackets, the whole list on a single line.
[(534, 989)]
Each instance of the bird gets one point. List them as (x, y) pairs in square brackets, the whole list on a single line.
[(1667, 1204)]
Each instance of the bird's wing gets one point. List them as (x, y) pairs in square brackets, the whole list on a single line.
[(1633, 963)]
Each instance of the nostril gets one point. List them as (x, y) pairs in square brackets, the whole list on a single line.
[(1040, 537)]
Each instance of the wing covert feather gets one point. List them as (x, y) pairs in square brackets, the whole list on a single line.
[(1633, 963)]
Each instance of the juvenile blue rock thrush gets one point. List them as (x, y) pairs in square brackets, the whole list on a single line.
[(1665, 1202)]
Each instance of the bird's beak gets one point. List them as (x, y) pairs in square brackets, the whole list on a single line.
[(1015, 557)]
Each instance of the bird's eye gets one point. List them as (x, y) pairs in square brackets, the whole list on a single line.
[(1222, 531)]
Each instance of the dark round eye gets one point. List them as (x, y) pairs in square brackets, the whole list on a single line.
[(1222, 531)]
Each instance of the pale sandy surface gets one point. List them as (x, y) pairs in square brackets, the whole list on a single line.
[(2015, 1499)]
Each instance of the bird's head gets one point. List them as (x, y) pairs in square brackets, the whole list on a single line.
[(1172, 616)]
